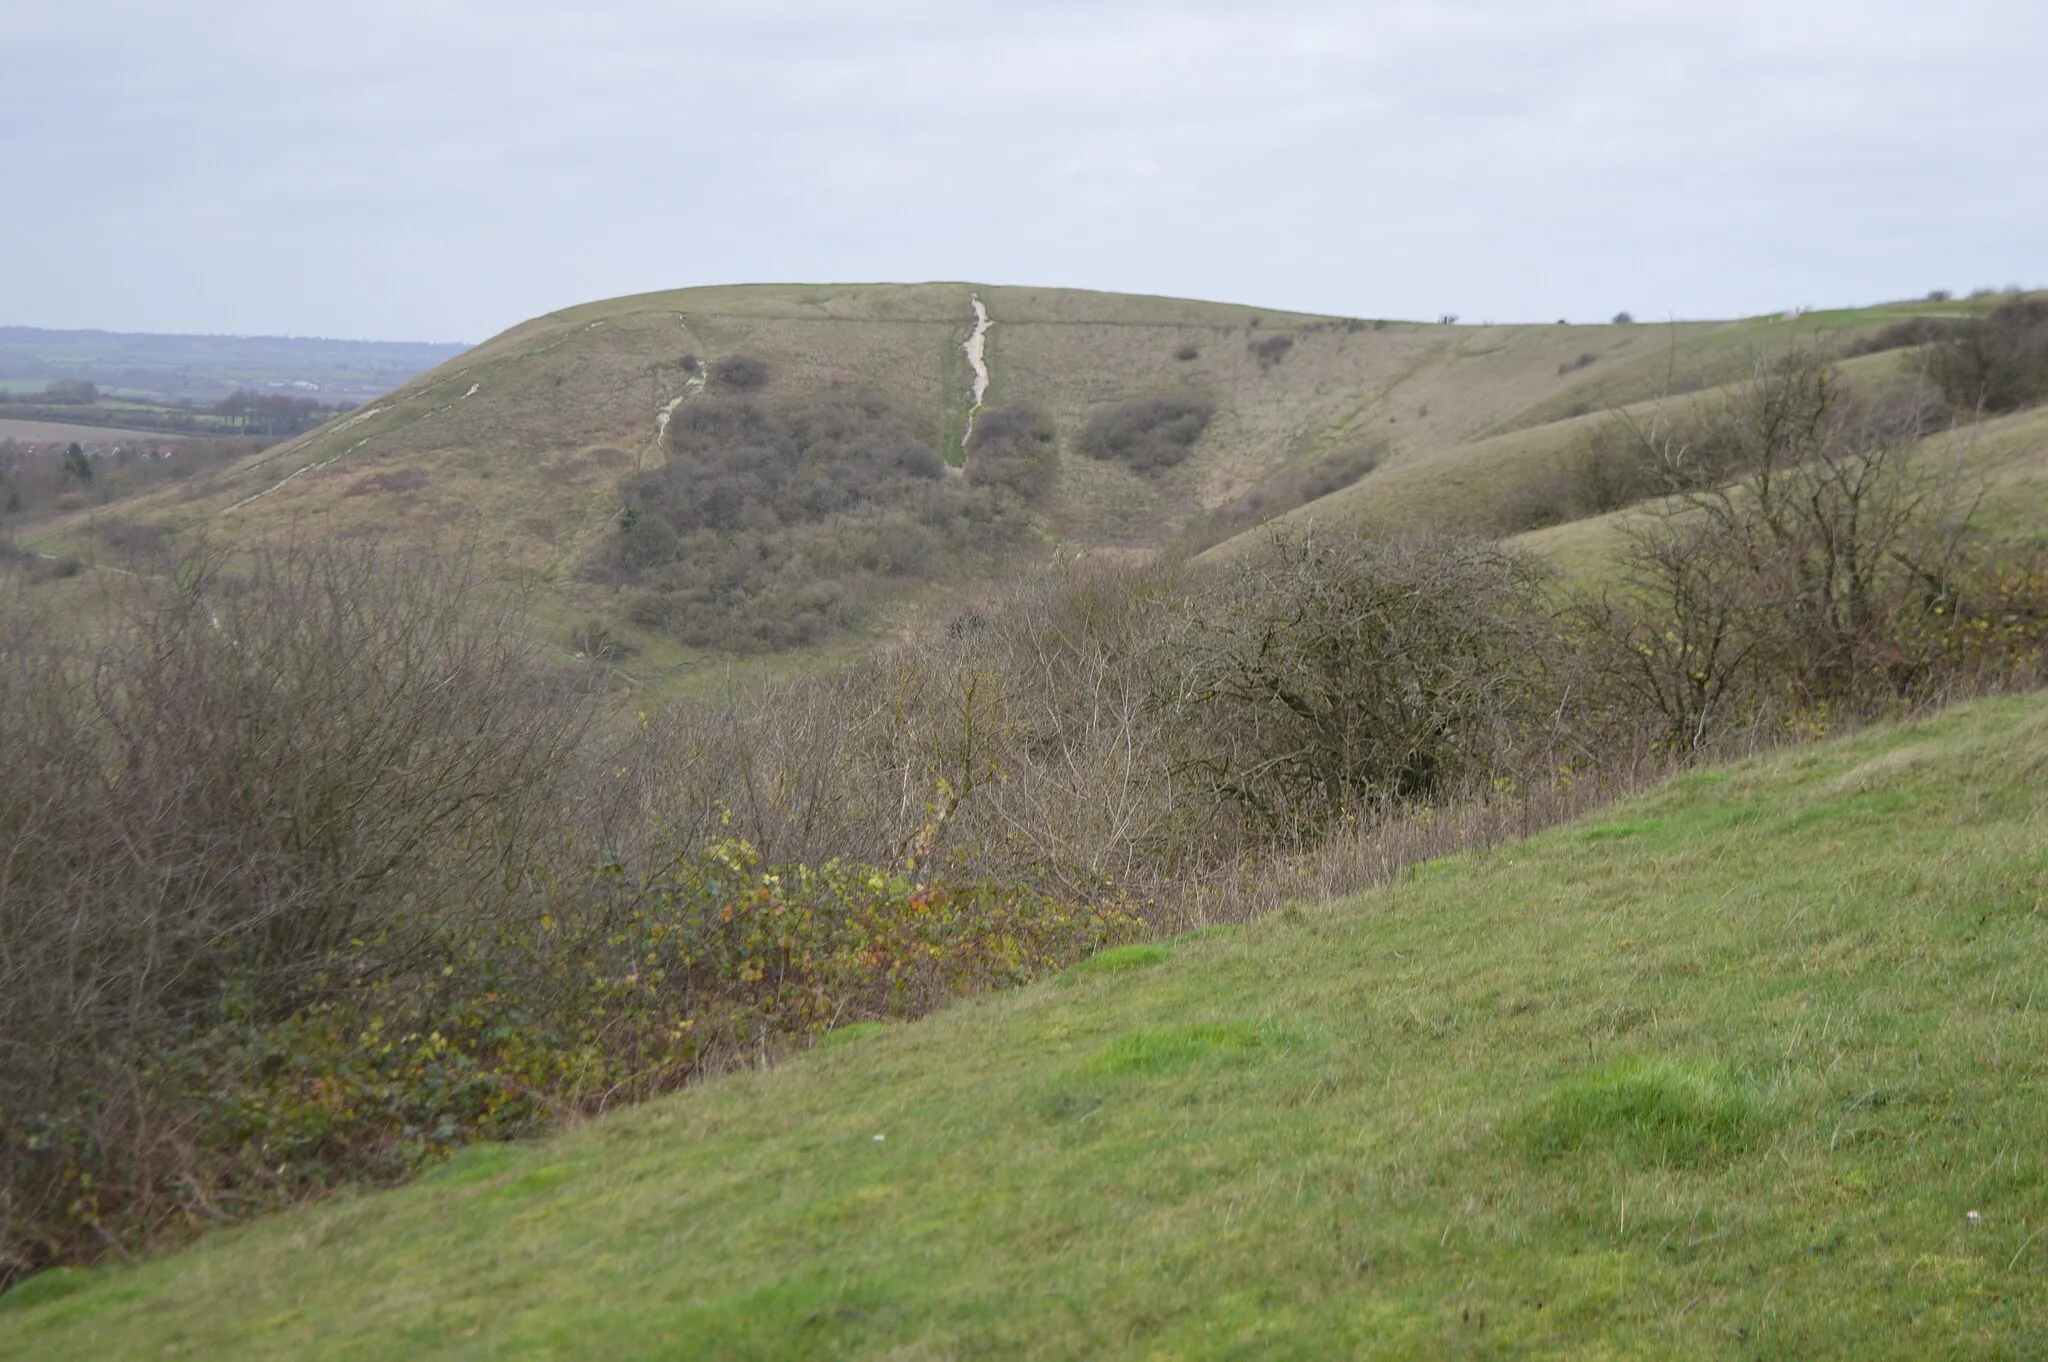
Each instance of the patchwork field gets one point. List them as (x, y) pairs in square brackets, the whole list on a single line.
[(51, 432)]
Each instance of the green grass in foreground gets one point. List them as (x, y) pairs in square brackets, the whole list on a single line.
[(1752, 1064)]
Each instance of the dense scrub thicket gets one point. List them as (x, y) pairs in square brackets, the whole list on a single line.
[(1014, 448), (1998, 362), (1269, 350), (261, 786), (1148, 433), (777, 526), (740, 373), (316, 869), (1334, 676), (1613, 468)]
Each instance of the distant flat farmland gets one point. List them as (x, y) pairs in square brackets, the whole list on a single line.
[(48, 432)]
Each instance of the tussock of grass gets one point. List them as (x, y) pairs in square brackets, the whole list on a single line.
[(1117, 960), (1172, 1049), (847, 1035), (1645, 1111), (45, 1287)]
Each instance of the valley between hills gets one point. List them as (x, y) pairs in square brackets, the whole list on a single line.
[(943, 820)]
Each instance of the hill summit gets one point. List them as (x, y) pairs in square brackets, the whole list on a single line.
[(816, 452)]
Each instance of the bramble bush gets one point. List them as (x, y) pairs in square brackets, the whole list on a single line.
[(609, 989)]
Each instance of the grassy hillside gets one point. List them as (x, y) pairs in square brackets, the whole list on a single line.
[(1749, 1064), (1470, 482), (2006, 460), (522, 444)]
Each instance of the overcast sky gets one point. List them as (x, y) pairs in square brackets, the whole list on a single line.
[(442, 169)]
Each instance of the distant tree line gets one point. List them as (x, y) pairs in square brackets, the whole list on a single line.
[(256, 413), (244, 411)]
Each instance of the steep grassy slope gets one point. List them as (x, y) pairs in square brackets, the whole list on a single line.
[(526, 435), (1469, 482), (1751, 1064), (2005, 460)]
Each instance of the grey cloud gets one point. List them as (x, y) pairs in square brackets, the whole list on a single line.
[(448, 168)]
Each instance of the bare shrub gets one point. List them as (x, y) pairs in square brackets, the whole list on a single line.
[(1332, 675), (1270, 350), (740, 373), (1368, 852), (1017, 745), (1613, 468), (595, 639), (134, 542), (27, 567), (1798, 565), (1147, 434), (1584, 361), (1901, 335), (323, 768)]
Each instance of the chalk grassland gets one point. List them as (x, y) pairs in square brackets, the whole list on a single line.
[(1468, 480), (2004, 462), (1747, 1064), (520, 436), (518, 447)]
